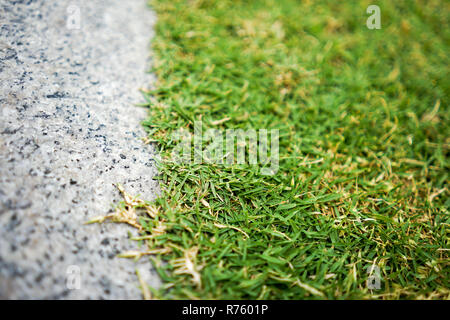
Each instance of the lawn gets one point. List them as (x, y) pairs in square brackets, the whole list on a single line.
[(362, 178)]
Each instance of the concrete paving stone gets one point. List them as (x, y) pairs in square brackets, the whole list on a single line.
[(70, 74)]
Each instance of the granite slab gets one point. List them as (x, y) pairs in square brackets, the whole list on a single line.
[(70, 74)]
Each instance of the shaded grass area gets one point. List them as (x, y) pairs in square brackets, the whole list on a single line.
[(364, 140)]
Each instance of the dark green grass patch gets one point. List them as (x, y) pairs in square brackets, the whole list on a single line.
[(364, 141)]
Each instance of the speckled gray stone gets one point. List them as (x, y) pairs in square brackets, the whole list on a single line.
[(69, 129)]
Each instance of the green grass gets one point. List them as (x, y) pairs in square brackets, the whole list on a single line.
[(364, 141)]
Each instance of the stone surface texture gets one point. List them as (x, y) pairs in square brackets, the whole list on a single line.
[(70, 74)]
